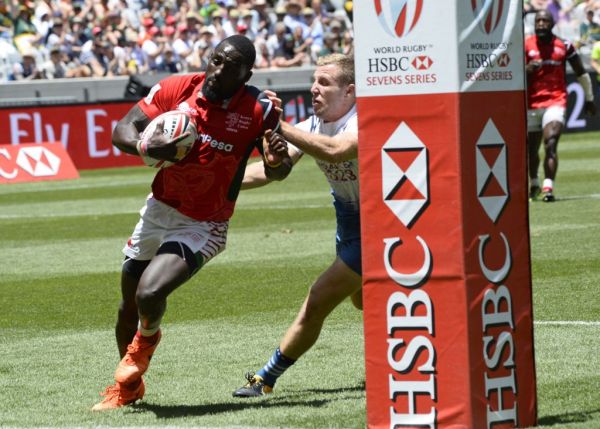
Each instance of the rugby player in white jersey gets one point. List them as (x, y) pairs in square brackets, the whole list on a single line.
[(331, 137)]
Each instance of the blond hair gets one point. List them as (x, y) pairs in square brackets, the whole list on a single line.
[(344, 62)]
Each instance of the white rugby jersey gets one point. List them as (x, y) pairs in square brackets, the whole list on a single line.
[(342, 176)]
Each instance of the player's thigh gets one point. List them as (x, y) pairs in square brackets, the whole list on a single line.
[(553, 121), (534, 120)]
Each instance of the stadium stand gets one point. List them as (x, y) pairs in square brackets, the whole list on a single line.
[(50, 39)]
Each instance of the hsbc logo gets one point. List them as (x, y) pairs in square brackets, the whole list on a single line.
[(398, 17), (422, 62), (38, 161), (492, 178), (488, 13), (503, 60), (32, 162), (405, 175)]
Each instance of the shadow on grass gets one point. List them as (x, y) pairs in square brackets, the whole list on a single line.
[(575, 417), (174, 411), (287, 400)]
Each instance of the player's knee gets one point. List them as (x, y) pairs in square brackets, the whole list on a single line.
[(134, 268), (147, 297), (127, 312), (550, 146)]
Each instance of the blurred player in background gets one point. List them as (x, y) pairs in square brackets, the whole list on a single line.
[(331, 137), (184, 222), (545, 58)]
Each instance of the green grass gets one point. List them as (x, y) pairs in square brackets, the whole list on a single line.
[(60, 253)]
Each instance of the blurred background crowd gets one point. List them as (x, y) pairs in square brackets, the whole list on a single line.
[(47, 39)]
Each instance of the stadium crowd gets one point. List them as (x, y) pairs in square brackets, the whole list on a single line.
[(93, 38)]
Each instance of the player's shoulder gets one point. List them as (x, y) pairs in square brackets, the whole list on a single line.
[(183, 80)]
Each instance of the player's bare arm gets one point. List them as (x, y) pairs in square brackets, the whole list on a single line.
[(342, 147), (276, 160), (586, 83), (126, 136), (255, 175)]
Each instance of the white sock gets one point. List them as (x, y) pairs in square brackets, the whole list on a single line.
[(548, 184), (534, 182), (150, 331)]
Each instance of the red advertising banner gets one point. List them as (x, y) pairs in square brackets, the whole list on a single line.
[(84, 131), (446, 260), (35, 162)]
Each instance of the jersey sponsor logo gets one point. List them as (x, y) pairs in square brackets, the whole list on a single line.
[(488, 13), (214, 143), (235, 121), (398, 18)]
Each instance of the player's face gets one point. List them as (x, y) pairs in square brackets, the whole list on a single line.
[(225, 74), (543, 25), (330, 98)]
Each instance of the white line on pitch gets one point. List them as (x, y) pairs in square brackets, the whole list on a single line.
[(567, 322)]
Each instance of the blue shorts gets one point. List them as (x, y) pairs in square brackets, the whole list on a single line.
[(348, 236)]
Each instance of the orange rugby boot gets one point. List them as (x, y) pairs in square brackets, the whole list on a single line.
[(118, 395), (135, 362)]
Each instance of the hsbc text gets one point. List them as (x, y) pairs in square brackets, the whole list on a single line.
[(388, 64)]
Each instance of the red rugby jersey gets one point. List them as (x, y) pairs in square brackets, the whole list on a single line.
[(206, 183), (547, 86)]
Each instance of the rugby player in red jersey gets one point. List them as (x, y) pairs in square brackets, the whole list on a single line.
[(184, 222), (545, 58)]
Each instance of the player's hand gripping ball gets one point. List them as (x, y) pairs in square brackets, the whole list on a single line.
[(176, 124)]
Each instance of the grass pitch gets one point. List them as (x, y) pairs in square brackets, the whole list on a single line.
[(60, 261)]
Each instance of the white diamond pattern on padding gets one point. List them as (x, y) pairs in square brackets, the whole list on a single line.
[(405, 210), (493, 205)]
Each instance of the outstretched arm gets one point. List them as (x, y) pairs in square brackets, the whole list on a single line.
[(256, 173), (342, 147)]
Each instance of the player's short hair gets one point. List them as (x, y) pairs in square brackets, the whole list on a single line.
[(244, 46), (344, 62)]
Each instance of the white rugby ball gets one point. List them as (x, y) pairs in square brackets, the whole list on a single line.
[(176, 123)]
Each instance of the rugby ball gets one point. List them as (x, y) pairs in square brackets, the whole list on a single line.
[(176, 123)]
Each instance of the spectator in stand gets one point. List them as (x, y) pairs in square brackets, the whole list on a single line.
[(275, 40), (194, 24), (136, 59), (6, 21), (263, 19), (315, 32), (589, 30), (247, 18), (208, 9), (25, 33), (330, 45), (183, 44), (55, 67), (217, 27), (595, 62), (27, 69), (294, 19), (233, 20), (170, 63), (263, 58), (116, 64), (285, 56), (302, 45), (153, 47), (208, 35)]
